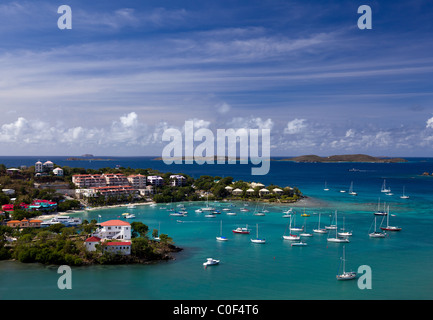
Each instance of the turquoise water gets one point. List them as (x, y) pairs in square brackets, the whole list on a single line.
[(401, 264)]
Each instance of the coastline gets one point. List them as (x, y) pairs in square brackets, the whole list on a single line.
[(50, 216)]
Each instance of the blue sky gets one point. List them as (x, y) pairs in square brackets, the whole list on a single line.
[(130, 69)]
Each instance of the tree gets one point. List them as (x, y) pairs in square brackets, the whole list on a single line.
[(139, 229)]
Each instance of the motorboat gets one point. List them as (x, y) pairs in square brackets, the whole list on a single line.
[(242, 230), (211, 262)]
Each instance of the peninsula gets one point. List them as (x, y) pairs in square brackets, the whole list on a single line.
[(344, 158)]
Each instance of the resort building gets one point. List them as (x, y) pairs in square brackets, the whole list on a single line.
[(177, 180), (138, 181), (39, 167), (120, 247), (25, 223), (114, 229), (115, 191), (89, 180), (58, 172), (237, 192), (113, 179), (155, 180)]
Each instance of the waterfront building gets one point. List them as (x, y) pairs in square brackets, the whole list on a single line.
[(138, 181), (177, 180), (115, 179), (114, 230), (120, 247), (155, 180), (89, 180)]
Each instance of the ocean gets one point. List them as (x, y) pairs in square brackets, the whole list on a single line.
[(401, 264)]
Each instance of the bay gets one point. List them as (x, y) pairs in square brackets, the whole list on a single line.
[(401, 264)]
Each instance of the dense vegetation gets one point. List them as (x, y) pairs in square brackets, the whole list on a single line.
[(58, 245)]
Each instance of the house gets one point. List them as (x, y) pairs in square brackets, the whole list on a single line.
[(89, 180), (39, 167), (237, 192), (263, 191), (114, 229), (120, 247), (25, 223), (58, 172), (9, 192), (115, 179), (177, 180), (155, 180)]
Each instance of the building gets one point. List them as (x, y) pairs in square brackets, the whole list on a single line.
[(115, 179), (155, 180), (177, 180), (138, 181), (58, 172), (115, 191), (25, 223), (120, 247), (114, 230), (84, 181), (39, 167)]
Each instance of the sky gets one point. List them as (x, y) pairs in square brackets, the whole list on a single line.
[(128, 70)]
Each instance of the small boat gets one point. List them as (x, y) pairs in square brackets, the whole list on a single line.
[(241, 230), (211, 262), (130, 216), (384, 188), (244, 210), (337, 238), (221, 237), (295, 228), (388, 227), (298, 244), (344, 233), (351, 192), (231, 213), (257, 239), (291, 237), (199, 211), (326, 187), (319, 230), (131, 206), (177, 214), (210, 215), (404, 196), (345, 275), (380, 212), (375, 233)]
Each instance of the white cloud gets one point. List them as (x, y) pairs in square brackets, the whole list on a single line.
[(295, 126), (430, 123)]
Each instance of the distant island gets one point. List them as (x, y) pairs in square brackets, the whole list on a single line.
[(344, 158), (87, 159)]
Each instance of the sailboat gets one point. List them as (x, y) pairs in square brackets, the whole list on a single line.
[(404, 196), (319, 230), (159, 231), (345, 275), (380, 212), (221, 237), (375, 233), (351, 192), (287, 213), (295, 228), (326, 187), (384, 189), (388, 227), (305, 234), (257, 239), (291, 236), (259, 213), (337, 238), (344, 233)]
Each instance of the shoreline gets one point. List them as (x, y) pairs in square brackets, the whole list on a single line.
[(50, 216)]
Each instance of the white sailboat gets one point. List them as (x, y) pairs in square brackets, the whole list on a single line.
[(326, 187), (384, 188), (221, 237), (404, 196), (291, 236), (305, 233), (257, 239), (287, 213), (345, 275), (319, 230), (375, 233), (380, 212), (351, 192), (295, 228), (337, 238), (343, 232)]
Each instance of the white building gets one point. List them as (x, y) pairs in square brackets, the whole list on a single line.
[(138, 181), (155, 180), (177, 180), (39, 167), (114, 229), (58, 172), (120, 247)]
